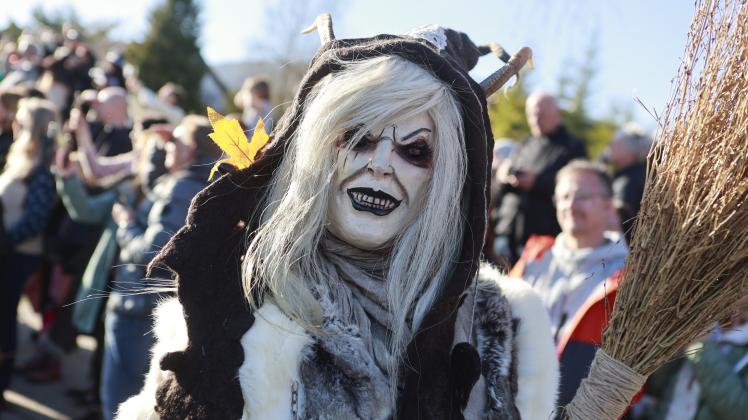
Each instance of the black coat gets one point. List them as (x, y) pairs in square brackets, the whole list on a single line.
[(628, 189), (111, 141), (518, 213), (6, 139)]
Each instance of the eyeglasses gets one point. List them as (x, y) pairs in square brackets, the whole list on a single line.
[(582, 198)]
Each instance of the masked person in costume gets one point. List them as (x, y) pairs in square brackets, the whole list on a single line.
[(339, 276)]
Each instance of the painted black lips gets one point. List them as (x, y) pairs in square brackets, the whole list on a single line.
[(376, 202)]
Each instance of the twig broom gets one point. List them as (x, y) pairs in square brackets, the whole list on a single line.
[(689, 256)]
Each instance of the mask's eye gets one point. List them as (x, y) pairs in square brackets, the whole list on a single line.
[(418, 153), (364, 143)]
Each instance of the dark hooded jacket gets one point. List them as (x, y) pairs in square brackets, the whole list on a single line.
[(209, 247)]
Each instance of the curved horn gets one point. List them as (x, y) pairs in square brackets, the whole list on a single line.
[(323, 25), (494, 82), (497, 49)]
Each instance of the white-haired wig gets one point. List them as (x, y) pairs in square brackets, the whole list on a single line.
[(284, 255)]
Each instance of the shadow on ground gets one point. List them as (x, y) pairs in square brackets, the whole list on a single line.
[(32, 401)]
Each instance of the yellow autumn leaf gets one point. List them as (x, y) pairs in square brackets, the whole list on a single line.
[(229, 136)]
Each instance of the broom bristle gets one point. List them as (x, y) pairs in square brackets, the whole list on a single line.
[(689, 257)]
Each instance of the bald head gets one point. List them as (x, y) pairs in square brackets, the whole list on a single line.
[(111, 106), (543, 113)]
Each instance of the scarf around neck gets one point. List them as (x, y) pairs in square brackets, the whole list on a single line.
[(348, 373), (358, 290)]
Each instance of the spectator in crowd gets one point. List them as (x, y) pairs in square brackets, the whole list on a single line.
[(627, 153), (68, 247), (576, 272), (108, 135), (84, 207), (254, 100), (502, 149), (8, 55), (54, 81), (709, 382), (141, 234), (8, 105), (79, 64), (98, 169), (526, 179), (113, 137), (27, 194), (64, 73), (49, 40), (169, 101), (27, 66), (110, 72)]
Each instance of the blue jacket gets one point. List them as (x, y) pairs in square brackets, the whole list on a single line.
[(157, 218)]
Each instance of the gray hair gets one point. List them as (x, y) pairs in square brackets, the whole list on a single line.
[(635, 139), (284, 256)]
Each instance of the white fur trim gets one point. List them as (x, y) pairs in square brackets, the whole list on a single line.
[(434, 34), (170, 330), (273, 350), (537, 365)]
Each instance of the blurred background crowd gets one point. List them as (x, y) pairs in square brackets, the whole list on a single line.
[(102, 150)]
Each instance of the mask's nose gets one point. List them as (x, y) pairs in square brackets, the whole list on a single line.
[(380, 163)]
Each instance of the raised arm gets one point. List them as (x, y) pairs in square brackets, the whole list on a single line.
[(93, 166)]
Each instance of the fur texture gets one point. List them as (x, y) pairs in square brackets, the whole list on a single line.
[(274, 348), (495, 339), (170, 330), (512, 334), (337, 371), (537, 365), (341, 378)]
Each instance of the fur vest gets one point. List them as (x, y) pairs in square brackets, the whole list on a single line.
[(510, 329)]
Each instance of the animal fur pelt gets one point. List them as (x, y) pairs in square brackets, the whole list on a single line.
[(512, 333)]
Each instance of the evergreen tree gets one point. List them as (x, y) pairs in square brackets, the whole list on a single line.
[(506, 109), (170, 51), (574, 93), (11, 32)]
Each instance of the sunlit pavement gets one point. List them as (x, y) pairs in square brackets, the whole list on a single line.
[(27, 400)]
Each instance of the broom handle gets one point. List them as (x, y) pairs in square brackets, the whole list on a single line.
[(606, 392)]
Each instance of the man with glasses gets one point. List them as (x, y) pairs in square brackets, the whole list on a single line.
[(576, 273)]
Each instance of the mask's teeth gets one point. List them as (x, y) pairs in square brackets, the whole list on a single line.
[(373, 202)]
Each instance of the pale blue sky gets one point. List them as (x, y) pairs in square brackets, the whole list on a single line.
[(639, 43)]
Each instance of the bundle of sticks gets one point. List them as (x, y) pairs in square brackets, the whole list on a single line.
[(689, 256)]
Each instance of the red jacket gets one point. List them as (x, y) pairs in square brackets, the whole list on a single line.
[(576, 347)]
